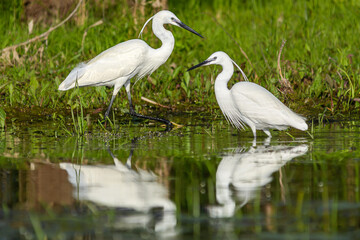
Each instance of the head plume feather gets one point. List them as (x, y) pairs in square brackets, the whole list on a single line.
[(245, 78), (140, 34)]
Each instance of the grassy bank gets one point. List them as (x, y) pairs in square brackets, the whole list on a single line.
[(321, 58)]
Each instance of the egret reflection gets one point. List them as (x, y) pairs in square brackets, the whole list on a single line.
[(240, 174), (134, 192)]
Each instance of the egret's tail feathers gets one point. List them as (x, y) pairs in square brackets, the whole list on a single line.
[(75, 74), (300, 123), (303, 126)]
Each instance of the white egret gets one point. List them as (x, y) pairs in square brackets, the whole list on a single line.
[(249, 103), (117, 65)]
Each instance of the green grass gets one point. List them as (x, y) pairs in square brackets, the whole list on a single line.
[(2, 118), (321, 58)]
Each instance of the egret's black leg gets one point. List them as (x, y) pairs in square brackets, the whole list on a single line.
[(109, 108), (169, 125)]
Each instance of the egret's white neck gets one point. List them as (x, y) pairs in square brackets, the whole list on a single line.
[(166, 37), (223, 94), (223, 78)]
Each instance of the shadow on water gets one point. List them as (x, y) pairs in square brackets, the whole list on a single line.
[(241, 174), (192, 183), (116, 196), (138, 199)]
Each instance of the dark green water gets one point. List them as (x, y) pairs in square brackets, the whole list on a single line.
[(202, 181)]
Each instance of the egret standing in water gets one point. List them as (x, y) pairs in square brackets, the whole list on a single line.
[(117, 65), (249, 103)]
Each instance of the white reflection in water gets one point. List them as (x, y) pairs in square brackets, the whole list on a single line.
[(119, 186), (240, 174)]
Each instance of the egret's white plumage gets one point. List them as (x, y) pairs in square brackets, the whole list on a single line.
[(248, 103), (133, 58)]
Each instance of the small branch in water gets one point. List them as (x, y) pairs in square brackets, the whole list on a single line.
[(176, 125), (155, 103), (283, 81), (163, 106), (283, 198)]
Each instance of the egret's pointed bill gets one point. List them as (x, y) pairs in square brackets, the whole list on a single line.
[(201, 64), (184, 26)]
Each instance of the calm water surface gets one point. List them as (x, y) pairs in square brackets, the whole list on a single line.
[(202, 181)]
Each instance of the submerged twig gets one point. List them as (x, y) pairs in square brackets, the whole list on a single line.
[(175, 125), (43, 35), (155, 103), (283, 198), (283, 81)]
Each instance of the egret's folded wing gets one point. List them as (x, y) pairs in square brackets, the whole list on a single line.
[(122, 60), (259, 105)]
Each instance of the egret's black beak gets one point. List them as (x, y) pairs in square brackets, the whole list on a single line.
[(184, 26), (200, 64)]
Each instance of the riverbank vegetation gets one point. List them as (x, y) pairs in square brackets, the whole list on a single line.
[(317, 72)]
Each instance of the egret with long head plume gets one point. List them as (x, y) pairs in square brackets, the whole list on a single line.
[(117, 65), (248, 103)]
